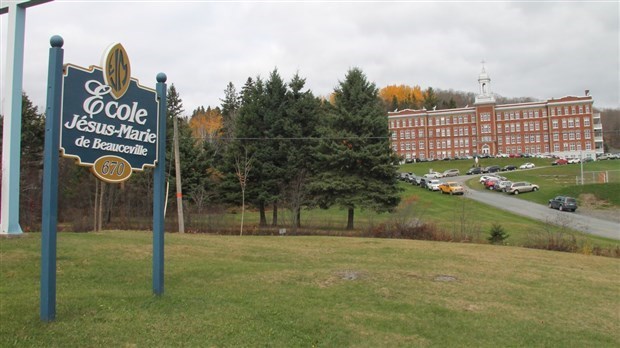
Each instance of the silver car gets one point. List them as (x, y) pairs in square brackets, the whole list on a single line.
[(451, 172), (433, 185), (502, 185), (520, 187)]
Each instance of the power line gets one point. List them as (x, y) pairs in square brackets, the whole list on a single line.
[(300, 138)]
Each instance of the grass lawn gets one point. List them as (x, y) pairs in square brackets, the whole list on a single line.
[(449, 213), (307, 291)]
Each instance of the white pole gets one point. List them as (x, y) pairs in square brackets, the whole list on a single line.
[(581, 162), (11, 137)]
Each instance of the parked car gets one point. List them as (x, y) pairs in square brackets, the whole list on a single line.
[(559, 162), (573, 160), (563, 203), (527, 165), (433, 175), (491, 169), (474, 170), (520, 187), (451, 172), (490, 183), (452, 188), (411, 178), (502, 185), (403, 176), (422, 182), (509, 168), (433, 185), (485, 177)]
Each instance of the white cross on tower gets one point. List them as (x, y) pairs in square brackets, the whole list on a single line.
[(11, 138)]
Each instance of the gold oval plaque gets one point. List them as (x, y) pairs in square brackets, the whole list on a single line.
[(117, 70), (112, 169)]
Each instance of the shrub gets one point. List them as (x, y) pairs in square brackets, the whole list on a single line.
[(554, 240), (498, 234)]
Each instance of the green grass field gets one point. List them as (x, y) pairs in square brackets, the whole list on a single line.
[(230, 291), (449, 213)]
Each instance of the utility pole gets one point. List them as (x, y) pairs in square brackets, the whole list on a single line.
[(581, 163), (177, 168)]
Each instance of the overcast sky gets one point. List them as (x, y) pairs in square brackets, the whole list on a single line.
[(531, 48)]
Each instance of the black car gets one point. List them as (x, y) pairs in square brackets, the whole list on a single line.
[(509, 168), (414, 179), (422, 182), (474, 170), (491, 169), (563, 203)]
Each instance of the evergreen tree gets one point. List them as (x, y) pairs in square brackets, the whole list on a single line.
[(230, 108), (395, 104), (303, 112), (250, 136), (274, 151), (452, 103), (32, 142), (359, 167), (430, 99)]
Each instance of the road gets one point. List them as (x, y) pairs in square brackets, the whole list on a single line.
[(575, 220)]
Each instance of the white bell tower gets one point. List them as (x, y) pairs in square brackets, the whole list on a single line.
[(484, 81)]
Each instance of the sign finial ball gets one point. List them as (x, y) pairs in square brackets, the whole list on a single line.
[(161, 77), (57, 41)]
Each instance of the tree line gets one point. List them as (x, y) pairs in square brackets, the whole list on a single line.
[(272, 145)]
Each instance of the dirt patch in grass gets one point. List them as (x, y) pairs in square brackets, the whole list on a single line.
[(590, 205)]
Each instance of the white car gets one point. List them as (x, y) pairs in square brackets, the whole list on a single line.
[(433, 175), (433, 185), (527, 165), (485, 177)]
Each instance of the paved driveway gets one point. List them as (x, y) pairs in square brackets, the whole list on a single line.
[(576, 220)]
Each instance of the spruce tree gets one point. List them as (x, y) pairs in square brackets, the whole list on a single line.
[(274, 150), (303, 112), (430, 99), (250, 135), (230, 108), (358, 164)]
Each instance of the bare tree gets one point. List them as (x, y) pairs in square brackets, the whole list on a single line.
[(242, 170), (296, 195), (98, 211)]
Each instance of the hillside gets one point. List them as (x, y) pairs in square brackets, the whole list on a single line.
[(307, 291)]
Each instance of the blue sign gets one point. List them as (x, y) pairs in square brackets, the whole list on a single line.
[(108, 120)]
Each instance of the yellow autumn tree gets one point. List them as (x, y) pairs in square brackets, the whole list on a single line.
[(206, 124), (402, 96)]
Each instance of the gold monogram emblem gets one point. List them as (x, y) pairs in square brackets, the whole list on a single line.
[(117, 71)]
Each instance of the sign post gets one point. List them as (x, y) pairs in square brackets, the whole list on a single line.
[(50, 181), (159, 194)]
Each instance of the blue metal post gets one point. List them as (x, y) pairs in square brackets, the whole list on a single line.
[(159, 191), (50, 180)]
